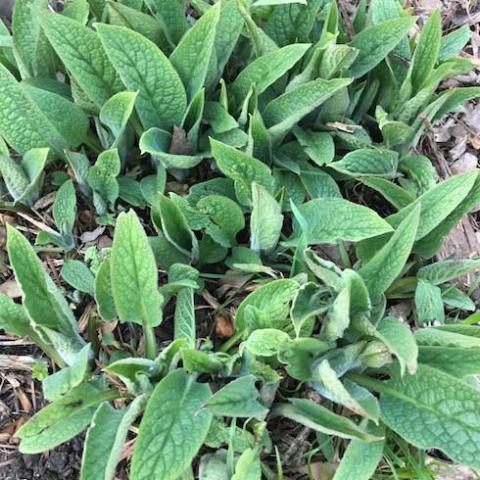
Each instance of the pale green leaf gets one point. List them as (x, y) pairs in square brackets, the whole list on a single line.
[(376, 42), (192, 56), (432, 409), (134, 273), (265, 222), (81, 51), (173, 427), (333, 219), (237, 399), (142, 66), (387, 264)]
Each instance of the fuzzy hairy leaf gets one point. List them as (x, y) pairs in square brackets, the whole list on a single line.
[(105, 439), (320, 419), (63, 419), (265, 70), (237, 399), (432, 409), (82, 53), (386, 265), (142, 66), (376, 42), (172, 427), (134, 273), (333, 219), (193, 55)]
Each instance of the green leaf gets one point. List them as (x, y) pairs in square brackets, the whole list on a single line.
[(34, 54), (229, 27), (248, 466), (226, 218), (325, 380), (78, 10), (78, 275), (148, 26), (134, 273), (429, 303), (400, 341), (63, 419), (426, 51), (81, 51), (266, 307), (432, 242), (14, 318), (266, 220), (184, 319), (319, 146), (282, 113), (65, 117), (396, 195), (368, 162), (453, 43), (102, 179), (307, 305), (65, 208), (59, 383), (360, 459), (454, 353), (325, 270), (333, 219), (105, 439), (23, 124), (432, 409), (267, 342), (40, 294), (174, 407), (142, 66), (387, 264), (237, 399), (437, 203), (24, 181), (241, 168), (265, 70), (446, 270), (158, 143), (116, 112), (176, 229), (103, 292), (195, 51), (320, 419), (376, 42), (454, 335), (171, 16)]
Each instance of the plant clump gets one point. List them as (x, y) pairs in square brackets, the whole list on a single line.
[(227, 147)]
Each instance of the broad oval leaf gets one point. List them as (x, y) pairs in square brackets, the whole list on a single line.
[(266, 220), (63, 419), (266, 69), (81, 51), (376, 42), (237, 399), (333, 219), (432, 409), (134, 273), (285, 111), (193, 55), (267, 307), (142, 66), (173, 427), (387, 264)]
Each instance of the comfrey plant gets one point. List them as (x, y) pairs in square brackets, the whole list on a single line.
[(233, 133)]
